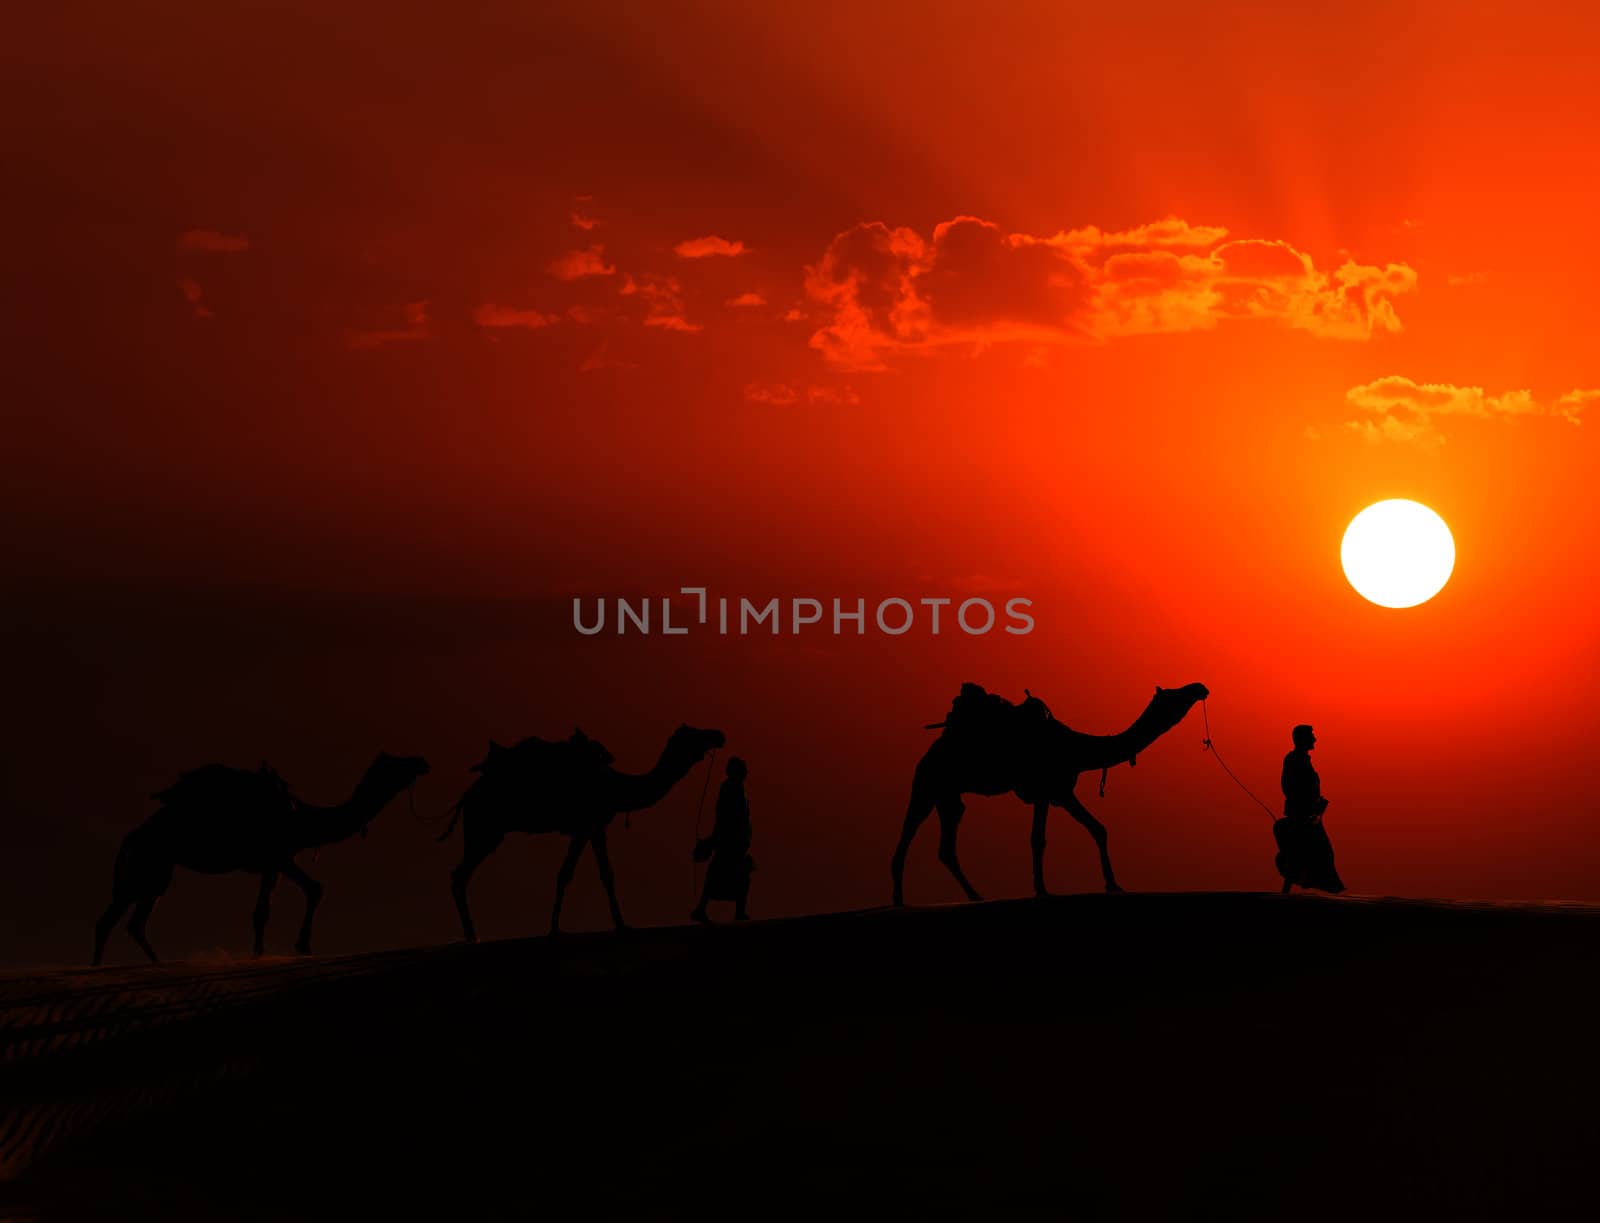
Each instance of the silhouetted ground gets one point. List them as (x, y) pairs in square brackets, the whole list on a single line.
[(1126, 1057)]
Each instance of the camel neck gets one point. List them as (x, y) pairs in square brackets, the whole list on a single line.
[(1108, 751), (325, 825), (636, 791)]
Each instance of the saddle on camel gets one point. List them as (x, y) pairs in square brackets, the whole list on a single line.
[(577, 753), (981, 713), (534, 769)]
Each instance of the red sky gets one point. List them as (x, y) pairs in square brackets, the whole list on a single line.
[(343, 348)]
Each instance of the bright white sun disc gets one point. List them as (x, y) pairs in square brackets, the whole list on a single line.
[(1397, 553)]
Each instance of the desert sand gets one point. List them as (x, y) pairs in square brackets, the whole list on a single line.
[(1118, 1057)]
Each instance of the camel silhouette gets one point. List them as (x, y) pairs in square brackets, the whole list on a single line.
[(217, 819), (990, 746), (543, 786)]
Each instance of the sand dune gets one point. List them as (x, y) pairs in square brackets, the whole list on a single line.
[(1087, 1056)]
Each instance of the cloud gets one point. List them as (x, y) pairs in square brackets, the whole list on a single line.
[(747, 299), (890, 291), (782, 394), (1396, 409), (417, 328), (779, 394), (194, 295), (490, 315), (575, 265), (579, 215), (701, 248), (671, 322), (1466, 279), (663, 303), (212, 242)]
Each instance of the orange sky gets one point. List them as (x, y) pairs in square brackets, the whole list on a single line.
[(342, 349)]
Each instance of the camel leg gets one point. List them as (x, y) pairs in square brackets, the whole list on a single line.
[(475, 849), (313, 891), (919, 809), (949, 820), (108, 921), (139, 873), (269, 880), (1098, 831), (137, 923), (1041, 812), (602, 859), (569, 864)]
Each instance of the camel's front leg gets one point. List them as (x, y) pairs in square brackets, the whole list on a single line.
[(1041, 812), (313, 891), (602, 859), (569, 864), (1098, 831)]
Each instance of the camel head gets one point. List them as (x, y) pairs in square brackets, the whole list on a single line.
[(1169, 705), (390, 774), (692, 743)]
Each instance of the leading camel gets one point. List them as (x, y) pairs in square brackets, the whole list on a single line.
[(570, 788), (217, 819), (1001, 748)]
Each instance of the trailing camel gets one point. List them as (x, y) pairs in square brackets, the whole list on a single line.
[(218, 819)]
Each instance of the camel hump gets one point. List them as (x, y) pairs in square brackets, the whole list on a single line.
[(223, 784)]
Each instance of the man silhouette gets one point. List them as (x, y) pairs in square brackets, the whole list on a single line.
[(728, 847), (1305, 855)]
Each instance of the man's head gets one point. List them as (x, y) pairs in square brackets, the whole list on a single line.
[(737, 768), (1304, 738)]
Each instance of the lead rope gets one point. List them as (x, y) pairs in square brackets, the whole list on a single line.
[(1211, 747), (699, 812)]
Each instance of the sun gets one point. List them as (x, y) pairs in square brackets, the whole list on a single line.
[(1397, 553)]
